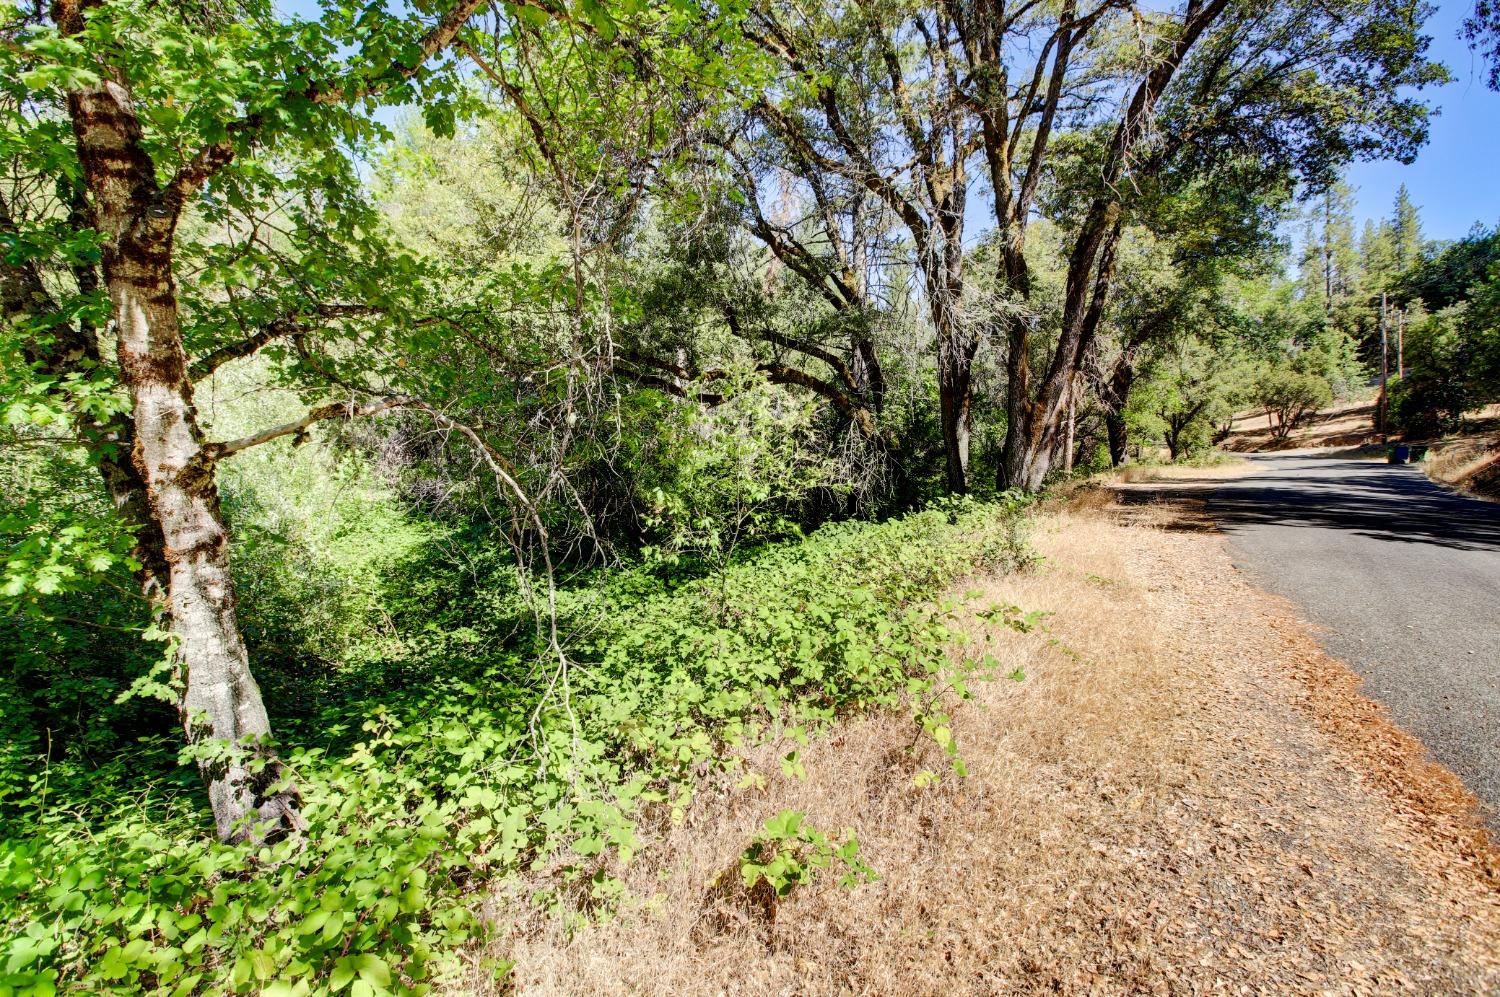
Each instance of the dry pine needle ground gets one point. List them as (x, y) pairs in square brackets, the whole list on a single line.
[(1184, 795)]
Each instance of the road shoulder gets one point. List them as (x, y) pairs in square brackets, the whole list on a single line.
[(1328, 689)]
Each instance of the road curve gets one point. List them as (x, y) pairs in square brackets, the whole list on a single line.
[(1403, 576)]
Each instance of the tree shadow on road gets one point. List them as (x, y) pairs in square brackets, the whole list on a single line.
[(1402, 507)]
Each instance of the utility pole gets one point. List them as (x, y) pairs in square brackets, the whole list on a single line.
[(1385, 366)]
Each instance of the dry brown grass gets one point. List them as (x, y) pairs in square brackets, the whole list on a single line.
[(1153, 809), (1470, 465), (1231, 467), (1454, 465), (1342, 425)]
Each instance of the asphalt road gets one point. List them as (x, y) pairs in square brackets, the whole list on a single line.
[(1404, 578)]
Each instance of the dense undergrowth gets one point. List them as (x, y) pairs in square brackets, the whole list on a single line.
[(452, 757)]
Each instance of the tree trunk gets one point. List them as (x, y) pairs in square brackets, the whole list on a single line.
[(1119, 437), (1036, 422), (1036, 414), (1072, 427), (221, 701), (1223, 432), (221, 708), (955, 395), (1036, 411), (869, 377), (1121, 381), (1027, 454)]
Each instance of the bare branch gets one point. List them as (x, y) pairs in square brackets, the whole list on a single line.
[(299, 427), (281, 328)]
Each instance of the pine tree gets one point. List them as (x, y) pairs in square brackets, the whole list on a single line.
[(1312, 279), (1377, 252), (1406, 231), (1330, 259)]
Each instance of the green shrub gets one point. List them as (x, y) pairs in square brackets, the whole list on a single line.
[(1445, 373), (1424, 404), (789, 852), (1289, 395), (444, 778)]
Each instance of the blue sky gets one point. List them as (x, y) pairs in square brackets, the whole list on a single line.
[(1456, 178)]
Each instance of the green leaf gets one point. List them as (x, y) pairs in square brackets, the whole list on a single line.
[(343, 974), (373, 970)]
